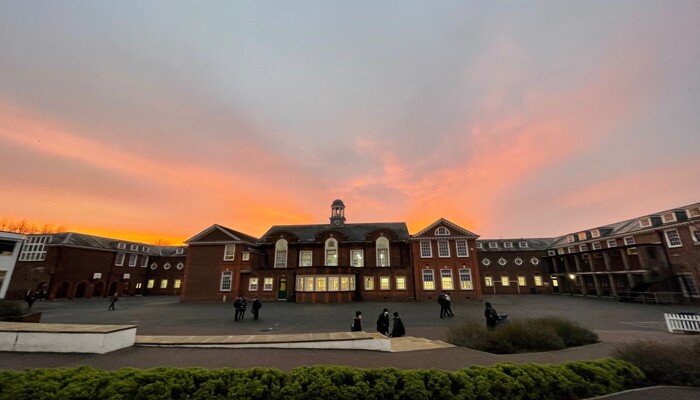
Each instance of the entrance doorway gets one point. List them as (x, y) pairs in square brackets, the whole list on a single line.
[(282, 289), (80, 290)]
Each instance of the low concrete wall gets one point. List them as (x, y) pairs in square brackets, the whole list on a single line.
[(65, 338)]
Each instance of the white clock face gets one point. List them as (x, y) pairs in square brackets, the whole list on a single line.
[(336, 222)]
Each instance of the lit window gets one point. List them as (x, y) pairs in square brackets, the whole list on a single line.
[(300, 284), (309, 283), (629, 240), (132, 260), (597, 246), (382, 252), (344, 283), (144, 261), (151, 283), (505, 280), (508, 245), (245, 256), (518, 261), (356, 258), (632, 251), (668, 217), (486, 262), (502, 261), (384, 283), (645, 222), (331, 252), (138, 285), (253, 284), (555, 281), (538, 281), (523, 245), (163, 283), (426, 250), (673, 239), (442, 231), (267, 284), (462, 249), (334, 283), (321, 282), (177, 283), (582, 236), (305, 258), (595, 233), (120, 259), (443, 248), (521, 280), (369, 283), (229, 252), (428, 279), (465, 279), (612, 243), (226, 278), (488, 280), (281, 254), (400, 283), (446, 279)]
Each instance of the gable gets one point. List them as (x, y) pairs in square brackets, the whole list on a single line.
[(219, 234), (453, 229)]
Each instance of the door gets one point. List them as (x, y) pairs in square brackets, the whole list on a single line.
[(282, 289)]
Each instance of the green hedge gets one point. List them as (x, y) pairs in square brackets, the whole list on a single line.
[(573, 380)]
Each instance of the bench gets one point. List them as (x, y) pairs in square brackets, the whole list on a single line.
[(683, 322), (65, 338)]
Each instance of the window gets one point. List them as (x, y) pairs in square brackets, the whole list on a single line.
[(120, 259), (597, 245), (551, 252), (595, 233), (688, 286), (493, 245), (479, 245), (570, 239), (400, 283), (521, 281), (34, 249), (428, 279), (629, 240), (426, 250), (229, 252), (673, 239), (144, 261), (166, 266), (369, 283), (502, 261), (465, 279), (132, 260), (267, 284), (309, 283), (138, 285), (180, 266), (518, 261), (560, 250), (508, 245), (462, 249), (632, 251), (523, 245), (331, 252), (488, 280), (154, 266), (321, 282), (164, 283), (572, 249), (357, 258), (693, 212), (344, 283), (668, 217), (177, 283), (645, 222), (121, 246), (486, 262), (695, 234), (555, 282), (253, 284), (384, 283), (505, 281), (443, 248), (281, 254), (534, 261), (538, 280), (382, 252), (150, 284), (582, 236), (442, 231), (612, 243), (334, 284), (446, 279), (245, 256), (180, 251), (583, 247), (305, 257), (226, 278)]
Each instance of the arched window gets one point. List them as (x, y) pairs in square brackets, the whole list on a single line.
[(383, 252), (331, 252), (442, 231), (281, 254)]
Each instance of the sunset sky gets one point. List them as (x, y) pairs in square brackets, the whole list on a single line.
[(147, 120)]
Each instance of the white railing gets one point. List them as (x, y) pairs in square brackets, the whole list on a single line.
[(682, 322)]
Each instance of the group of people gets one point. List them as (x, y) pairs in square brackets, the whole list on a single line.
[(241, 304), (445, 305), (383, 322)]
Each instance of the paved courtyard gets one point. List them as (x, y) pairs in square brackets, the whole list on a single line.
[(615, 323)]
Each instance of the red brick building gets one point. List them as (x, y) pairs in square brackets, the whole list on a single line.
[(514, 266)]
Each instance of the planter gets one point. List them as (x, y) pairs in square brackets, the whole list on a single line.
[(31, 317)]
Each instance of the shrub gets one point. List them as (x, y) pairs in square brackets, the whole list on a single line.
[(9, 308), (541, 334), (664, 364)]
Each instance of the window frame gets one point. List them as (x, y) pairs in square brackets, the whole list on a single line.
[(400, 282), (443, 248), (119, 261), (268, 284), (446, 276), (669, 240), (133, 258), (429, 248), (428, 284), (629, 240), (362, 258), (223, 280), (384, 280), (306, 253), (330, 251), (368, 282), (379, 249), (229, 252), (253, 283), (281, 253), (613, 241), (672, 218), (465, 249), (466, 284)]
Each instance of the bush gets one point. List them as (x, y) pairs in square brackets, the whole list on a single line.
[(573, 380), (9, 308), (541, 334), (664, 364)]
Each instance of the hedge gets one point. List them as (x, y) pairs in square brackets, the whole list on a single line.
[(573, 380)]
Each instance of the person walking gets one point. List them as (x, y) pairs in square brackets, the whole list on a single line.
[(491, 315), (383, 322), (237, 308), (356, 322), (255, 309), (112, 300), (448, 305), (243, 306), (441, 301), (397, 330)]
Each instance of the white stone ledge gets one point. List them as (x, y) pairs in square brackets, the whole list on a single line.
[(62, 338)]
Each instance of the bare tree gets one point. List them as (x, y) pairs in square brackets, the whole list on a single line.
[(26, 228), (161, 242)]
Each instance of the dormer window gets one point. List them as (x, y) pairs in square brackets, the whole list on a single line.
[(442, 231), (134, 247), (121, 246), (582, 236), (645, 222), (179, 251), (570, 239), (595, 233), (629, 240), (493, 245), (508, 245), (693, 212), (523, 245), (668, 217), (479, 245)]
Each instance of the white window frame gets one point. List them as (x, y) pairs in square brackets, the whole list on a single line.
[(384, 283), (144, 261), (502, 262), (252, 284), (486, 262), (268, 284), (668, 217), (582, 236), (551, 252), (673, 238), (518, 261), (382, 245), (302, 262), (245, 256), (560, 251), (132, 260), (229, 252), (595, 233), (401, 283), (34, 248), (426, 249), (583, 247), (488, 281), (180, 266), (693, 212), (571, 249), (180, 251), (330, 253), (166, 266), (442, 231), (570, 239), (612, 243), (281, 253), (465, 279), (644, 222), (534, 261), (479, 245), (134, 247), (629, 240), (694, 234), (687, 279), (226, 282), (121, 246), (120, 259), (428, 279), (462, 248), (361, 258), (508, 245), (523, 245), (493, 245), (596, 246), (154, 266), (369, 283), (446, 279), (443, 248)]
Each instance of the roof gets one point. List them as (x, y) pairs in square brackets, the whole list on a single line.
[(443, 221), (354, 232), (533, 244), (234, 235), (74, 239)]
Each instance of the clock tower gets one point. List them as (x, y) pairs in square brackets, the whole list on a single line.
[(338, 213)]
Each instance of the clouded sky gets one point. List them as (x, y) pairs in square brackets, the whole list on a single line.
[(153, 120)]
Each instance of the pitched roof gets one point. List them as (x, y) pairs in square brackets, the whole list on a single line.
[(532, 244), (443, 221), (75, 239), (235, 236), (354, 232)]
